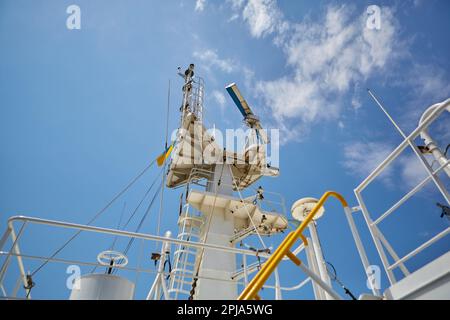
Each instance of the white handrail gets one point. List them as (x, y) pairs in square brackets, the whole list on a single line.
[(420, 248), (131, 234), (434, 114), (430, 115), (26, 220), (409, 194)]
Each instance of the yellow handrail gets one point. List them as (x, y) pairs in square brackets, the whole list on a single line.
[(251, 291)]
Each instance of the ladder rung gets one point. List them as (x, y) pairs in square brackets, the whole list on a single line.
[(182, 281), (182, 271), (179, 291), (190, 264), (187, 251)]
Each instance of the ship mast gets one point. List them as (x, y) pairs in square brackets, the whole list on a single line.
[(225, 219)]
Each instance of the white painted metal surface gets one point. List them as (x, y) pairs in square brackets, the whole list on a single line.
[(302, 207), (300, 210), (184, 257), (217, 230), (381, 243), (321, 263), (266, 222), (159, 284), (429, 141), (102, 287), (431, 282)]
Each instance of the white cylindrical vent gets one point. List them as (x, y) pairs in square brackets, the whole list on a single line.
[(102, 287)]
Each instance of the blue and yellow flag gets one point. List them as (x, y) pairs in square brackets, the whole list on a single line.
[(162, 158)]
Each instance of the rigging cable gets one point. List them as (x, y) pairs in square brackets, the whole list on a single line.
[(29, 285), (333, 273), (118, 225), (208, 225), (167, 261), (248, 213), (334, 277), (95, 217), (111, 263), (147, 211), (142, 200), (164, 167), (268, 203), (139, 262), (130, 243), (137, 208)]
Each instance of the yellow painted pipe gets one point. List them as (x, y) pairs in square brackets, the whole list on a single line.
[(251, 291)]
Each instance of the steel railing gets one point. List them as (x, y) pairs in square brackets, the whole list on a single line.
[(432, 175), (15, 252), (284, 250)]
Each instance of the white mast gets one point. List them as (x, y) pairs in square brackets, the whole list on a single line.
[(223, 217)]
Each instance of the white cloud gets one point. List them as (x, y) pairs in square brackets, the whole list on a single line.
[(424, 234), (200, 5), (327, 59), (356, 103), (362, 158), (262, 16), (218, 97), (426, 85), (340, 47), (440, 131), (412, 171), (428, 82), (210, 58), (290, 99), (356, 98), (233, 17), (236, 4)]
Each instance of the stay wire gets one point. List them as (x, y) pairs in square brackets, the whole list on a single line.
[(118, 225), (130, 243), (161, 202), (95, 217), (147, 211), (336, 279), (135, 209), (334, 274), (142, 200), (248, 213), (208, 225)]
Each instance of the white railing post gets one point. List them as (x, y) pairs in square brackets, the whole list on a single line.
[(277, 286), (359, 246), (375, 239)]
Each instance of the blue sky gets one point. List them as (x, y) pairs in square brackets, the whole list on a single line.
[(83, 111)]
